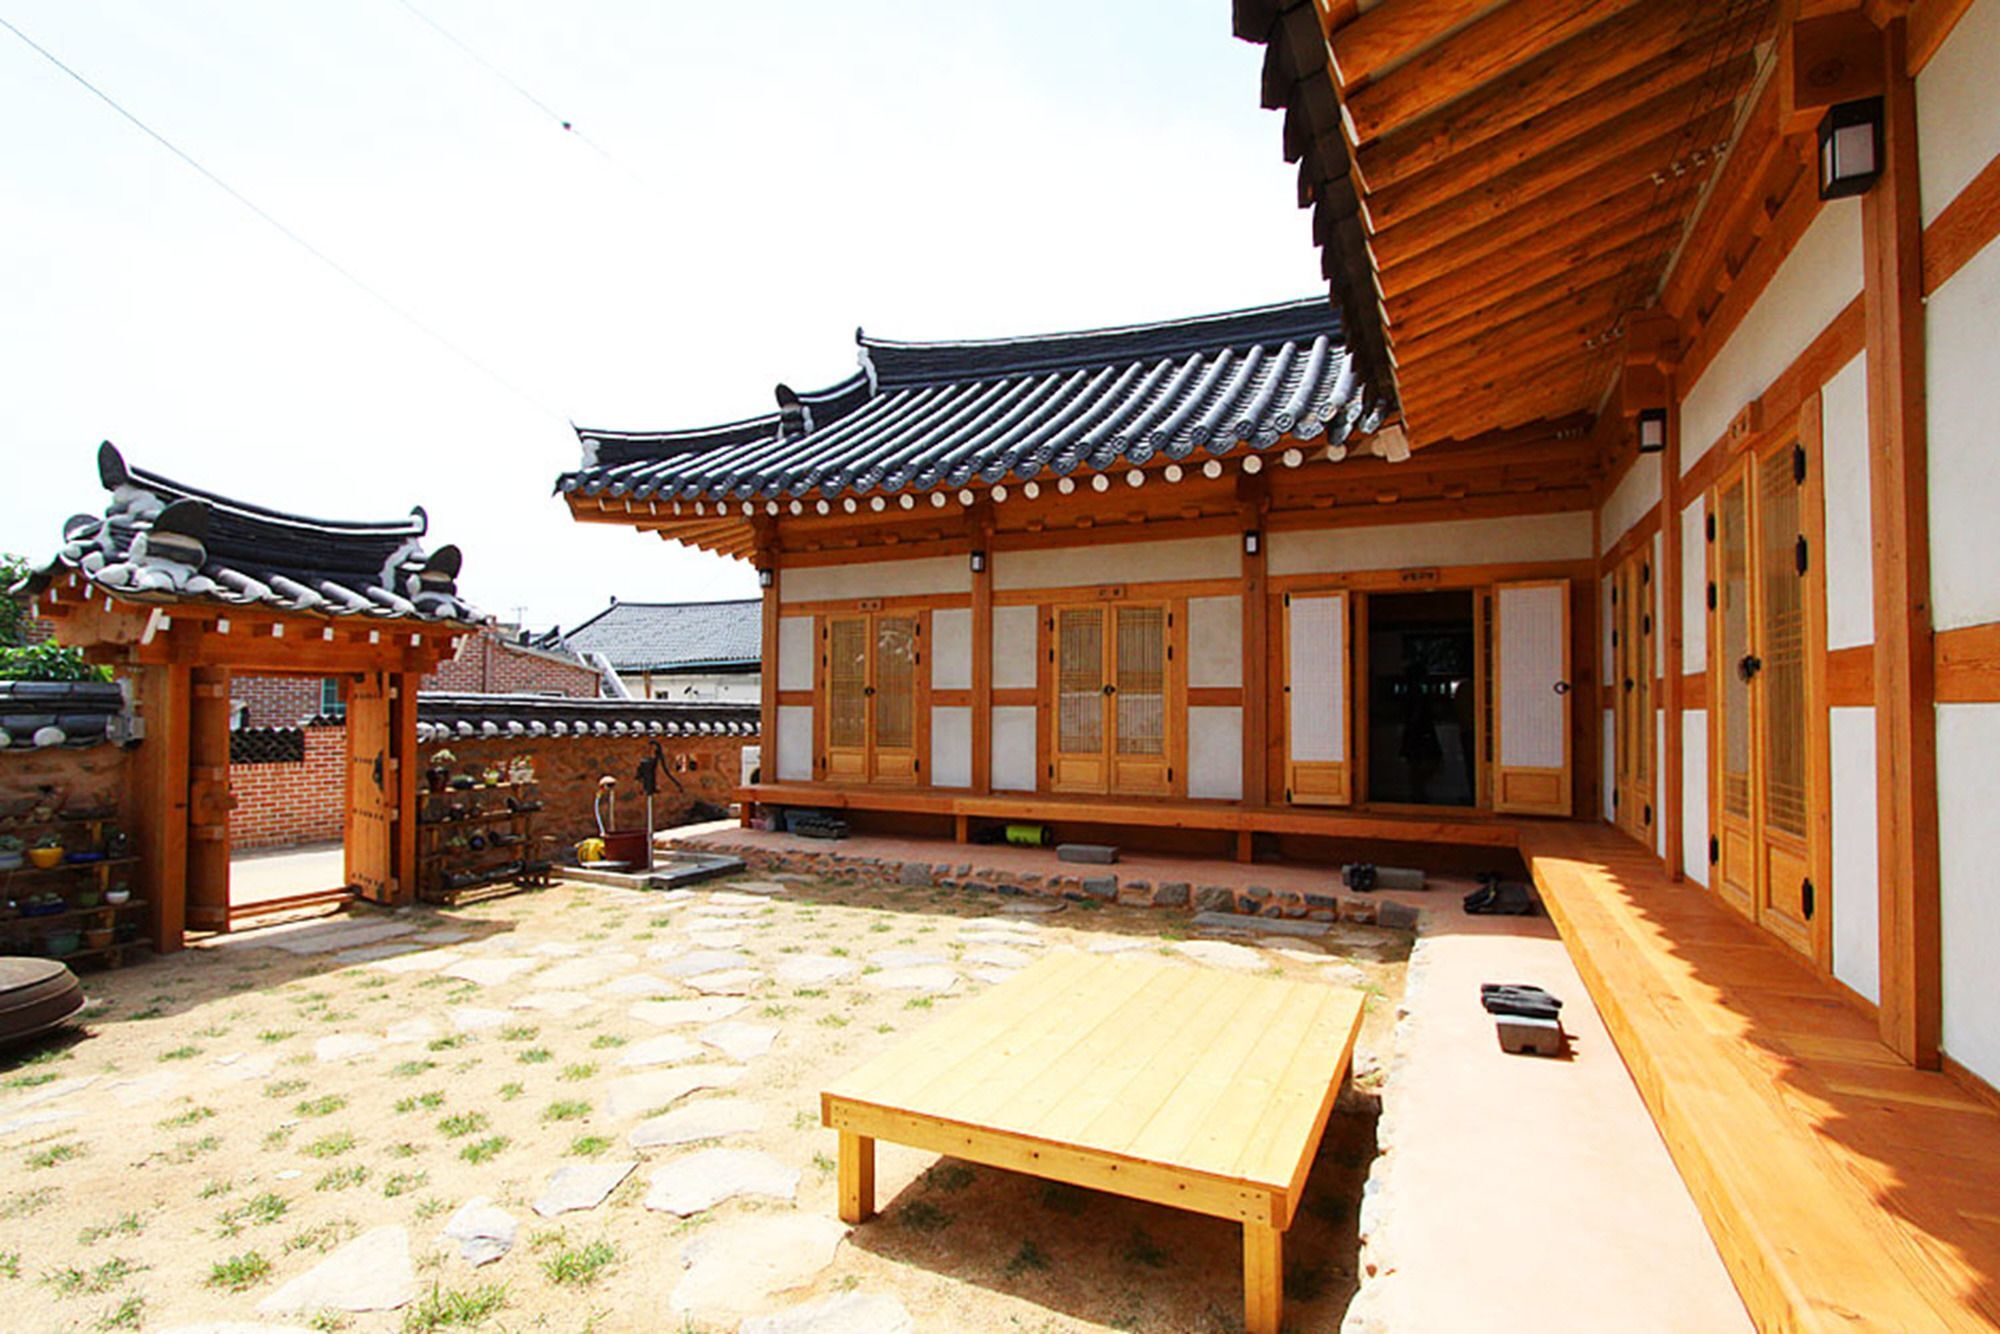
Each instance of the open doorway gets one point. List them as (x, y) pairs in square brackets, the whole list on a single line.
[(1423, 712)]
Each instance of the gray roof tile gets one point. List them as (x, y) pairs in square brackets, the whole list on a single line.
[(673, 636)]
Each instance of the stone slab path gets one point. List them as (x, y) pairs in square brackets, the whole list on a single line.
[(737, 1266), (581, 1186), (711, 1118), (703, 1180), (371, 1273)]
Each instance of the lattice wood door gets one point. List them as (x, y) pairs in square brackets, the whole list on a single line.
[(895, 655), (370, 793), (1633, 662), (1139, 701), (844, 649), (1080, 760), (1317, 679), (1729, 693), (1532, 755)]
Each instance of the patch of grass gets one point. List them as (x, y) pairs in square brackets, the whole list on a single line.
[(1059, 1198), (580, 1266), (283, 1088), (775, 1010), (429, 1208), (536, 1056), (329, 1146), (577, 1073), (343, 1178), (403, 1150), (605, 1040), (321, 1237), (480, 1151), (832, 1021), (325, 1106), (460, 1124), (826, 1165), (410, 1069), (885, 1028), (948, 1177), (569, 1109), (588, 1146), (327, 1322), (71, 1281), (184, 1052), (1029, 1257), (25, 1202), (452, 1043), (190, 1149), (126, 1315), (192, 1116), (213, 1187), (917, 1003), (1141, 1249), (125, 1225), (10, 1264), (429, 1102), (454, 1308), (510, 1091), (33, 1079), (279, 1138), (520, 1033), (810, 993), (43, 1159)]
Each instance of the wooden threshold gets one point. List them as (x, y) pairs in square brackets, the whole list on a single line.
[(1842, 1187)]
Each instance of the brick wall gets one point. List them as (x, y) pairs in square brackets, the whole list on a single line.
[(283, 805), (488, 665), (276, 701)]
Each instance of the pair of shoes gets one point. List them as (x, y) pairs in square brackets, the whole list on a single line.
[(1519, 998), (1359, 877), (1502, 898)]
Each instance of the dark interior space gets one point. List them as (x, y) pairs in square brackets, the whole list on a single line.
[(1422, 700)]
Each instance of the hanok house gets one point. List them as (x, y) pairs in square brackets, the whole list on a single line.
[(1641, 490), (698, 652)]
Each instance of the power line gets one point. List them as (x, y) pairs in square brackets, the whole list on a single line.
[(281, 228)]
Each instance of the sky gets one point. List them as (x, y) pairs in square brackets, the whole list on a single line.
[(743, 186)]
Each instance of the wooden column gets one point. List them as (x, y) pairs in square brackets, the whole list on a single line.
[(767, 709), (1905, 716), (1667, 797), (982, 664), (408, 778), (208, 800), (160, 799), (1256, 652)]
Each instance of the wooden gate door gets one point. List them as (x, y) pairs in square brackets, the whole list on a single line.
[(1317, 676), (370, 790), (1532, 757)]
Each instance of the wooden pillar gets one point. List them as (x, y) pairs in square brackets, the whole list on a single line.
[(982, 663), (1899, 509), (1256, 646), (160, 799), (408, 770), (856, 1177), (208, 800), (1667, 799), (1263, 1279), (767, 709)]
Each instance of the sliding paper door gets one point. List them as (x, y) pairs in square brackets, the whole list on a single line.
[(1317, 675), (1532, 759)]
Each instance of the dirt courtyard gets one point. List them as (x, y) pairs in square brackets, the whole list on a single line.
[(281, 1123)]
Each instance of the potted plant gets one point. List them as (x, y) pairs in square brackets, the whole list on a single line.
[(47, 851), (439, 772), (490, 778), (12, 853)]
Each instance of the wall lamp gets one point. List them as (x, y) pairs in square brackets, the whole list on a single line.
[(979, 562), (766, 577), (1652, 430), (1850, 148), (1252, 543)]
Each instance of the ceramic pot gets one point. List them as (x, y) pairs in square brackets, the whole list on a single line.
[(114, 897), (44, 858)]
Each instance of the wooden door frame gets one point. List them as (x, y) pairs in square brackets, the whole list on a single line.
[(1173, 706), (868, 612)]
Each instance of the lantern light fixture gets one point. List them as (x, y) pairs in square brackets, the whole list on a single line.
[(979, 562), (1253, 542), (1850, 148), (1652, 430), (766, 577)]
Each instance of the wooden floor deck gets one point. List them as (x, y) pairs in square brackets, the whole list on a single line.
[(1843, 1188)]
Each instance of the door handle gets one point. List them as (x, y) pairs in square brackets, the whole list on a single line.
[(868, 691), (1749, 666), (1110, 689), (1561, 687)]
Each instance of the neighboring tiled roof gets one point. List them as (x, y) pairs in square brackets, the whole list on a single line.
[(162, 541), (40, 714), (924, 416), (673, 636), (470, 717)]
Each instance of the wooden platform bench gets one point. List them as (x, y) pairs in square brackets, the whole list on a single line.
[(1066, 1073)]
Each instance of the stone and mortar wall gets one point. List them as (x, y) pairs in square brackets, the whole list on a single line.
[(89, 777)]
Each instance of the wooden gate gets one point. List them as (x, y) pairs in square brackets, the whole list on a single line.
[(371, 792)]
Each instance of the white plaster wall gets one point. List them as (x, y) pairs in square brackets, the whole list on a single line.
[(1958, 117), (951, 746), (1694, 794), (795, 653), (1013, 648), (1814, 284), (1856, 912), (1850, 570), (877, 579), (1014, 749), (700, 687), (1963, 375), (1637, 491), (1215, 641), (1694, 588), (951, 649), (1655, 607), (795, 743), (1968, 737), (1215, 753), (1530, 537), (1120, 563)]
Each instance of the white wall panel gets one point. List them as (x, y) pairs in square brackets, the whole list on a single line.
[(1316, 628), (1963, 374), (1856, 911), (1014, 648), (1215, 753), (795, 653), (1608, 760), (1215, 641), (1814, 284), (1533, 634), (1637, 491), (877, 579), (1694, 587), (1014, 749), (1694, 794), (1106, 562), (951, 746), (1968, 738), (951, 649), (1655, 600), (1850, 567), (1531, 537), (795, 743), (1958, 117)]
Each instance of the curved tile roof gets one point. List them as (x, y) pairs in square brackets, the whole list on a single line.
[(673, 636), (449, 717), (163, 541), (924, 416)]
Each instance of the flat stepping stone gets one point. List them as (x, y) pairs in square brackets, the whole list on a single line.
[(561, 1004), (410, 1030), (1033, 908), (842, 1313), (739, 1265), (931, 979), (235, 1327), (703, 1180), (742, 895), (706, 961), (1000, 924), (575, 974), (581, 1186), (995, 976), (146, 1088), (758, 887), (905, 958), (327, 937), (337, 1047), (728, 982), (1117, 945), (654, 1089), (422, 961), (30, 1120), (639, 984), (667, 1049), (1221, 954), (248, 1069), (667, 898), (998, 956), (60, 1088), (371, 1273), (1291, 949), (442, 936), (665, 949), (372, 953), (711, 1118), (739, 1041), (475, 1018), (556, 949), (811, 970), (483, 1230), (716, 940), (719, 913), (491, 972), (667, 1013), (1249, 924)]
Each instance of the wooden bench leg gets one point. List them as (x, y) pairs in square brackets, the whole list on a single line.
[(1263, 1278), (857, 1178)]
